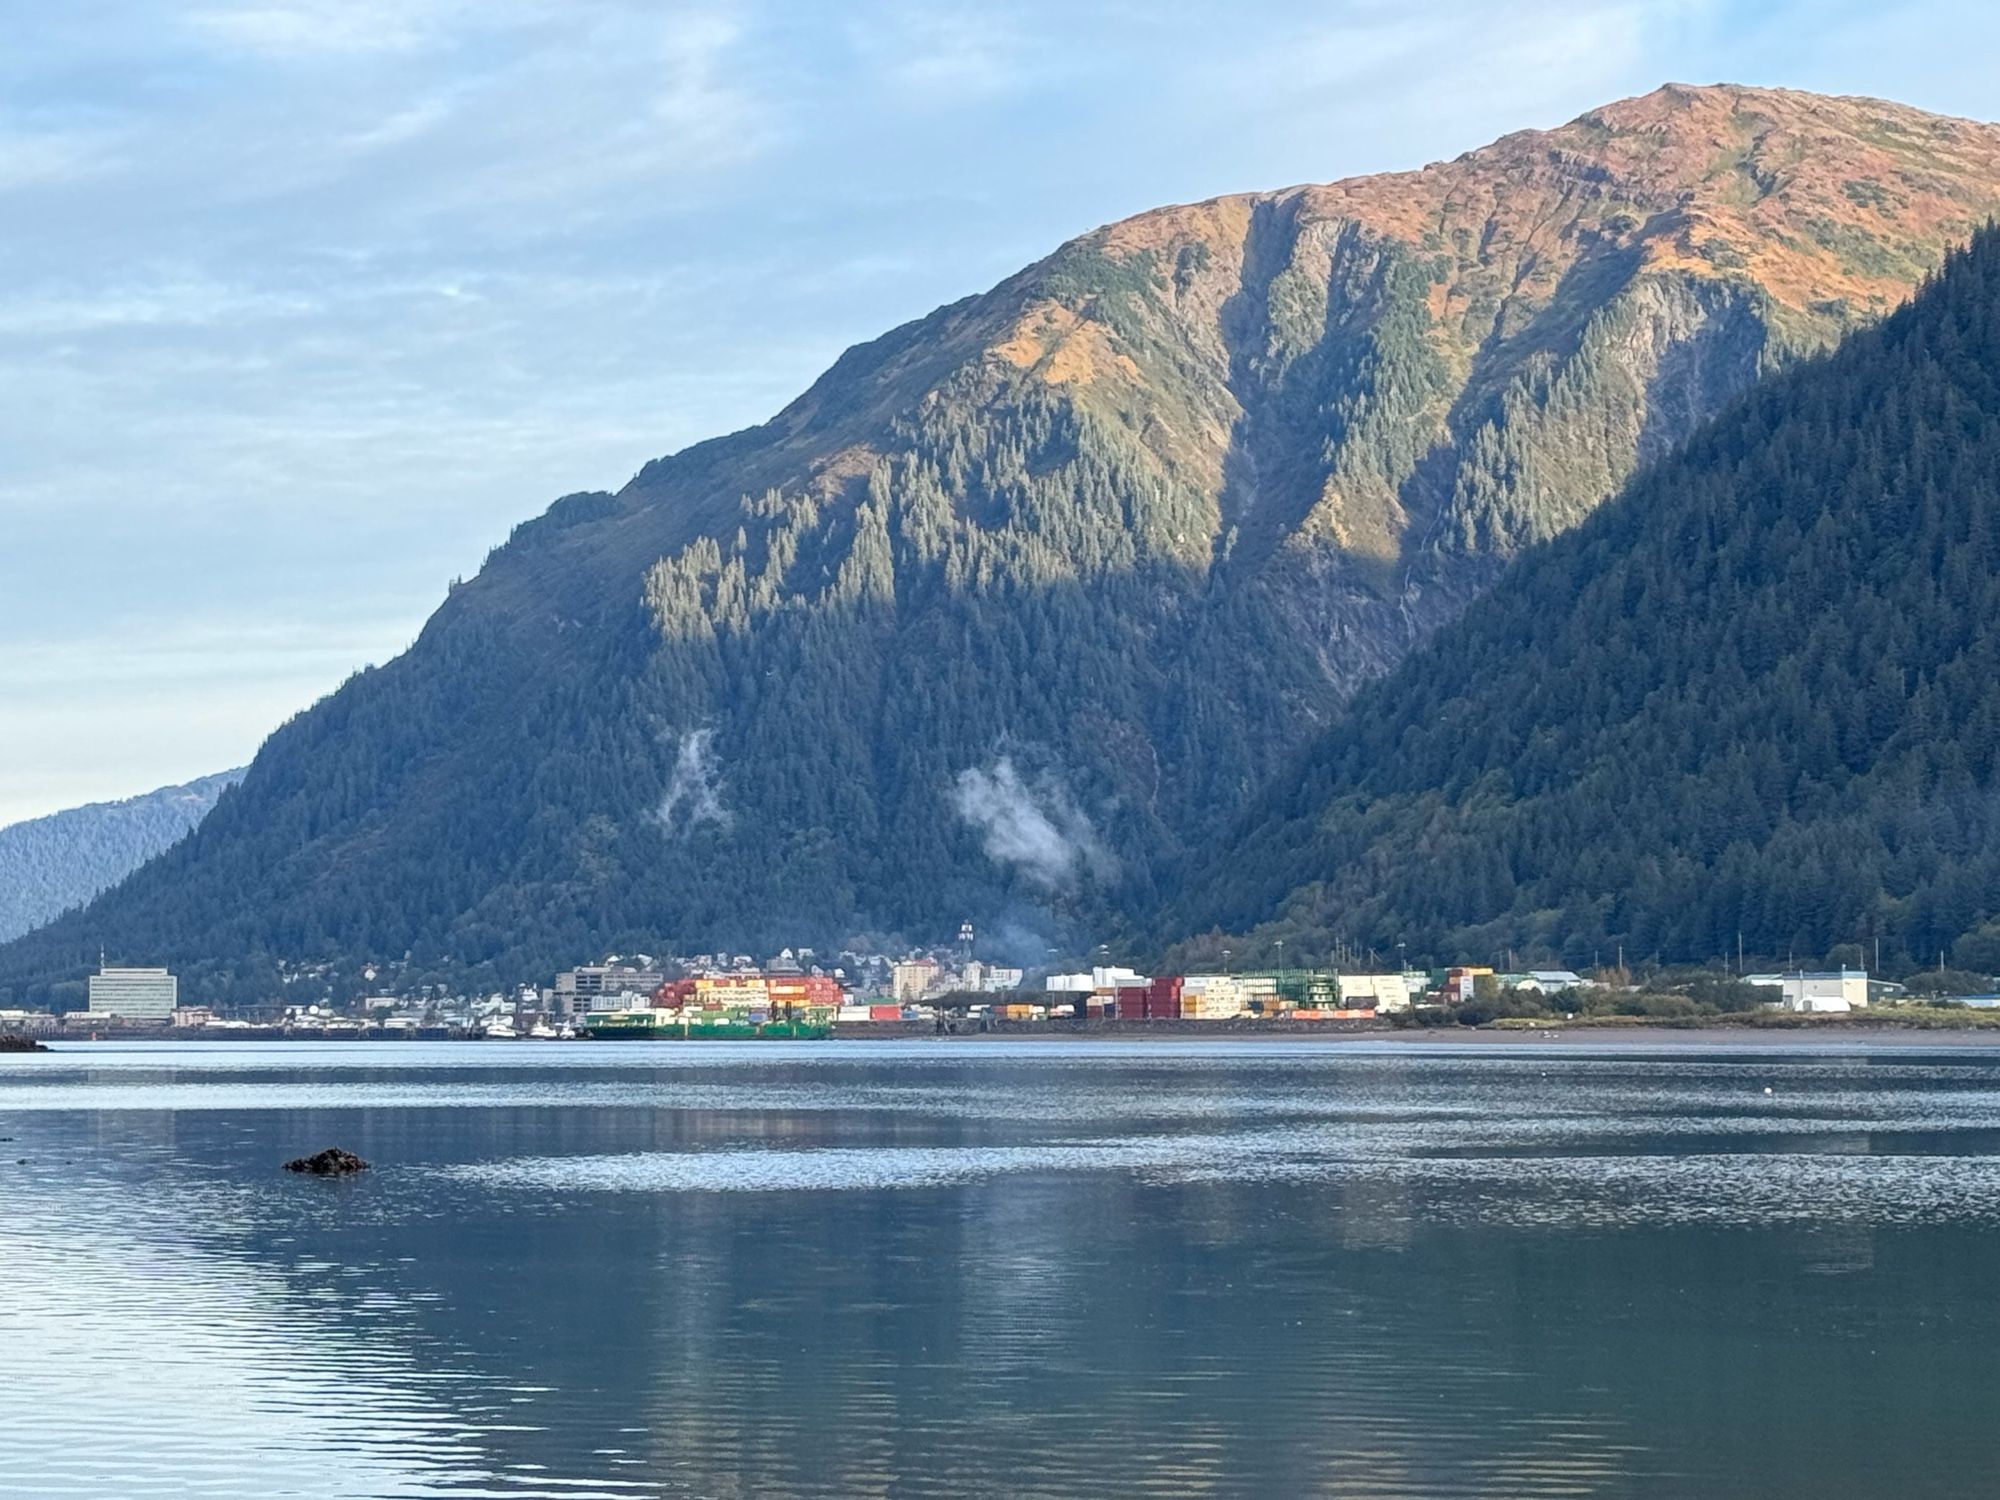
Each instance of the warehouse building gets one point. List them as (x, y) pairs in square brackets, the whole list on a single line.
[(1832, 992)]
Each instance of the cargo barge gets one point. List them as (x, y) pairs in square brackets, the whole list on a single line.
[(691, 1025)]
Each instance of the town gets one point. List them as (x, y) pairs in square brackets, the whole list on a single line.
[(946, 989)]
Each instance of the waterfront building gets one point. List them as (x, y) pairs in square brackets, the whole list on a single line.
[(988, 978), (1462, 983), (133, 994), (1833, 992), (1542, 981), (586, 986), (1274, 991), (1102, 981), (1555, 981)]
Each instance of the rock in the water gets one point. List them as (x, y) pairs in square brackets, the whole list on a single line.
[(20, 1044), (332, 1162)]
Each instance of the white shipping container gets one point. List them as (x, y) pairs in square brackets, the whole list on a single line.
[(1381, 992)]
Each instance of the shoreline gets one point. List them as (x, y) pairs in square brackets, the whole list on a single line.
[(1834, 1035), (1825, 1035)]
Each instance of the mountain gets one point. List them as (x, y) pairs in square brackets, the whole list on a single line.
[(1756, 698), (1021, 601), (48, 865)]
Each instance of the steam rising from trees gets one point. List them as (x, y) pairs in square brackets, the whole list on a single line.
[(1037, 829), (694, 792)]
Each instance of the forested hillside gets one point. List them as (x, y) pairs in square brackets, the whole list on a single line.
[(1758, 694), (48, 865), (1019, 603)]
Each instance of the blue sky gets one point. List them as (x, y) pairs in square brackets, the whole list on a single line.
[(304, 303)]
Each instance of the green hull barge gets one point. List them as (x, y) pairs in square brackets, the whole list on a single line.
[(697, 1026)]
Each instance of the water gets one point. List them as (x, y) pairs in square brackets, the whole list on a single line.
[(1367, 1270)]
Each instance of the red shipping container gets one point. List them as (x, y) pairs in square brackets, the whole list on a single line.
[(885, 1012)]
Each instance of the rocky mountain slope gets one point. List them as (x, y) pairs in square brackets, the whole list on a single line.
[(1021, 601), (49, 865), (1754, 700)]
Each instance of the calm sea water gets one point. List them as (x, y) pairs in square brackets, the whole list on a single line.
[(992, 1269)]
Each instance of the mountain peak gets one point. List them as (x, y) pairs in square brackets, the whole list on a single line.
[(1819, 200), (1114, 537)]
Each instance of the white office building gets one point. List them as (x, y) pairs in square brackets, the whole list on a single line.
[(134, 994)]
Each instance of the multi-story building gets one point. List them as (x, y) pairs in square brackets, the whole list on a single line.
[(913, 979), (134, 994), (588, 986), (988, 979)]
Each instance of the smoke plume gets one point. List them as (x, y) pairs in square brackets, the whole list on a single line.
[(694, 791), (1038, 829)]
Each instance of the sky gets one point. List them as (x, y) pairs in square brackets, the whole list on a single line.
[(305, 303)]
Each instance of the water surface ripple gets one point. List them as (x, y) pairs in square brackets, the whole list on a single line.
[(989, 1269)]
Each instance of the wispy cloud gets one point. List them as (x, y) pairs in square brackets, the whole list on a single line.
[(1463, 51), (32, 158), (945, 52), (189, 301), (292, 28), (289, 29), (405, 123)]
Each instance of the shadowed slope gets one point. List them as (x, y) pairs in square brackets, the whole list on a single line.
[(1756, 698)]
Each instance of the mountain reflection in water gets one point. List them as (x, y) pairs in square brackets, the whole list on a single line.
[(919, 1269)]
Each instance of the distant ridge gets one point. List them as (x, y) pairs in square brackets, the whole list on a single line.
[(50, 864)]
